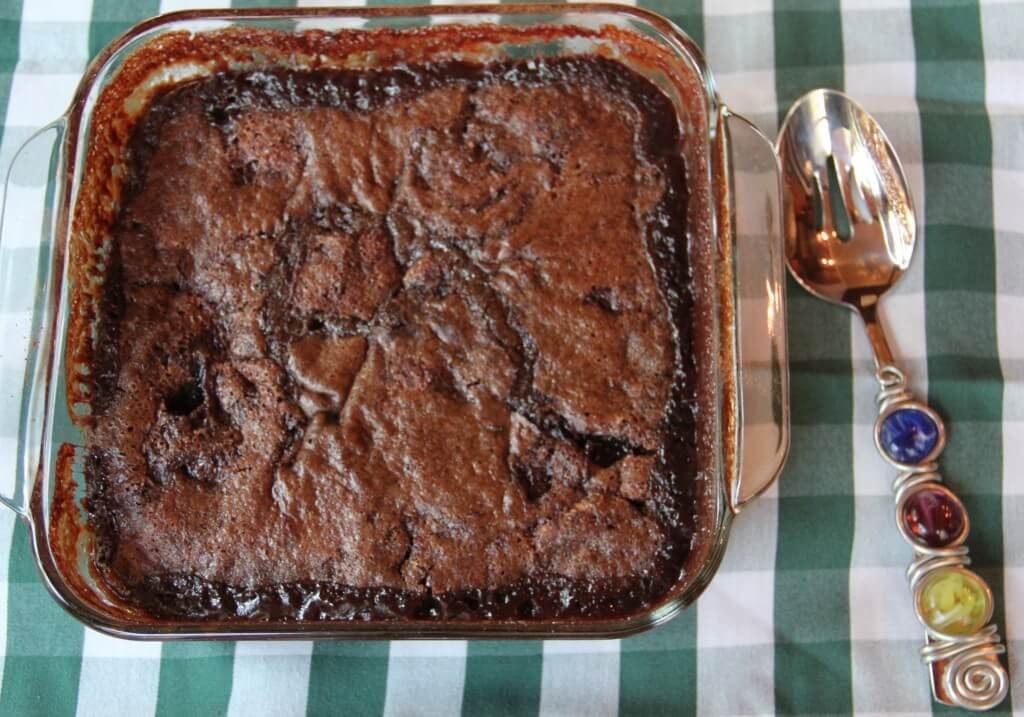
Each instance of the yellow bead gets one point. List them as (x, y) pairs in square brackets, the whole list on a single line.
[(954, 601)]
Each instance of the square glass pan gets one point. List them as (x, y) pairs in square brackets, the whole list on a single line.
[(737, 270)]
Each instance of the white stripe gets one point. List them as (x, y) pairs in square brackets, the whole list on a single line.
[(1007, 190), (903, 313), (53, 47), (1013, 585), (884, 610), (733, 611), (12, 368), (425, 678), (1003, 92), (746, 578), (35, 11), (580, 677), (270, 678), (848, 5), (174, 5), (330, 24), (32, 105), (473, 19), (23, 224), (1013, 443), (119, 677), (35, 113), (880, 602), (1002, 86), (882, 87), (751, 92), (330, 3), (715, 8)]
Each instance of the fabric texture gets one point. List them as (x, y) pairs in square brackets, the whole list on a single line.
[(810, 612)]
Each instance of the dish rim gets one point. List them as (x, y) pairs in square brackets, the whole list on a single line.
[(38, 517)]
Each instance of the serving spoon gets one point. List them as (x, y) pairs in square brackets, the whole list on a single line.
[(850, 235)]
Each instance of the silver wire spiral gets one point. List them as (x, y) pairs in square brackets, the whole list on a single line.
[(973, 679), (972, 675)]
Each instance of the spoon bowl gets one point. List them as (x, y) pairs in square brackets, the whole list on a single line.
[(850, 227)]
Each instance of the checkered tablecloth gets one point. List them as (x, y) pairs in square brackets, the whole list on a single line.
[(810, 612)]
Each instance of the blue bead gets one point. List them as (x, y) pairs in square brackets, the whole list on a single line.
[(908, 435)]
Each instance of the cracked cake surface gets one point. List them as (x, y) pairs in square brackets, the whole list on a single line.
[(408, 342)]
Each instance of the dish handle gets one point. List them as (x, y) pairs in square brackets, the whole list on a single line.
[(753, 272), (26, 241)]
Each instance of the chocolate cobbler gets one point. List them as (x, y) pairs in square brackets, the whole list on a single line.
[(408, 343)]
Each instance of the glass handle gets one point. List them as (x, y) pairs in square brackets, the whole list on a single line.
[(26, 231), (755, 266)]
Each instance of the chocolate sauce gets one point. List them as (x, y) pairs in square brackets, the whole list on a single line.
[(406, 344)]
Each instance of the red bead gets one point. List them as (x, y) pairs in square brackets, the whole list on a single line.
[(934, 517)]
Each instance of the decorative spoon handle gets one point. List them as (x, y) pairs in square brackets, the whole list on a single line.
[(962, 647)]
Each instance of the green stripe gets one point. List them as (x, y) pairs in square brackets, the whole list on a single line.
[(10, 27), (283, 25), (44, 644), (195, 678), (261, 3), (659, 669), (389, 22), (964, 376), (348, 678), (110, 18), (687, 14), (502, 678), (815, 534), (10, 41)]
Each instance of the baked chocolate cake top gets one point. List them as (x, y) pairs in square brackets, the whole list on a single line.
[(403, 342)]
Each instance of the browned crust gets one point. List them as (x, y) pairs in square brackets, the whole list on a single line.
[(112, 121), (727, 313), (68, 537), (64, 532)]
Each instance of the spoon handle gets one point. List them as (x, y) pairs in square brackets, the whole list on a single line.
[(955, 605)]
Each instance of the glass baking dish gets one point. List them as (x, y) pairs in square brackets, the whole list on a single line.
[(64, 184)]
